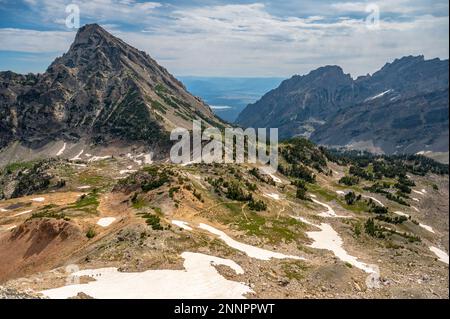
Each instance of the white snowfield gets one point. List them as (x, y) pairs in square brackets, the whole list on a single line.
[(327, 238), (199, 280), (10, 227), (38, 199), (251, 251), (330, 211), (401, 214), (419, 192), (365, 196), (22, 213), (266, 170), (127, 171), (78, 165), (98, 158), (186, 164), (374, 199), (378, 95), (181, 224), (106, 221), (272, 195), (61, 151), (426, 227), (77, 157), (442, 255), (147, 158)]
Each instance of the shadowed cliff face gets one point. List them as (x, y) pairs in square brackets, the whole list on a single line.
[(401, 108), (101, 89)]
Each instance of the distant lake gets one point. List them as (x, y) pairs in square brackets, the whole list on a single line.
[(227, 97)]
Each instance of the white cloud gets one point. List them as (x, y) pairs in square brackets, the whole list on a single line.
[(129, 11), (247, 40), (35, 41), (401, 7)]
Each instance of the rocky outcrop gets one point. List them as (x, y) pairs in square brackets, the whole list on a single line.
[(403, 107)]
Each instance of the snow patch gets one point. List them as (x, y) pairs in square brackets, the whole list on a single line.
[(251, 251), (378, 95), (266, 170), (106, 221), (98, 158), (330, 211), (442, 255), (426, 227), (76, 158), (402, 214), (84, 187), (79, 165), (272, 195), (199, 280), (327, 238), (61, 151), (38, 199), (182, 224), (374, 199), (127, 171), (22, 213), (148, 158)]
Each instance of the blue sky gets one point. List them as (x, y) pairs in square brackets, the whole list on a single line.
[(233, 38)]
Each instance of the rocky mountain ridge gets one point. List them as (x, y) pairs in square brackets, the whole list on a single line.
[(331, 108), (99, 92)]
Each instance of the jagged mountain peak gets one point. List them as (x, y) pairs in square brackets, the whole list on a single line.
[(93, 36), (100, 90), (324, 77), (327, 70), (409, 93), (94, 46), (89, 30)]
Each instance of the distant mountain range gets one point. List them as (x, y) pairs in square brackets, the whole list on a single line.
[(402, 108), (101, 91), (228, 96)]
